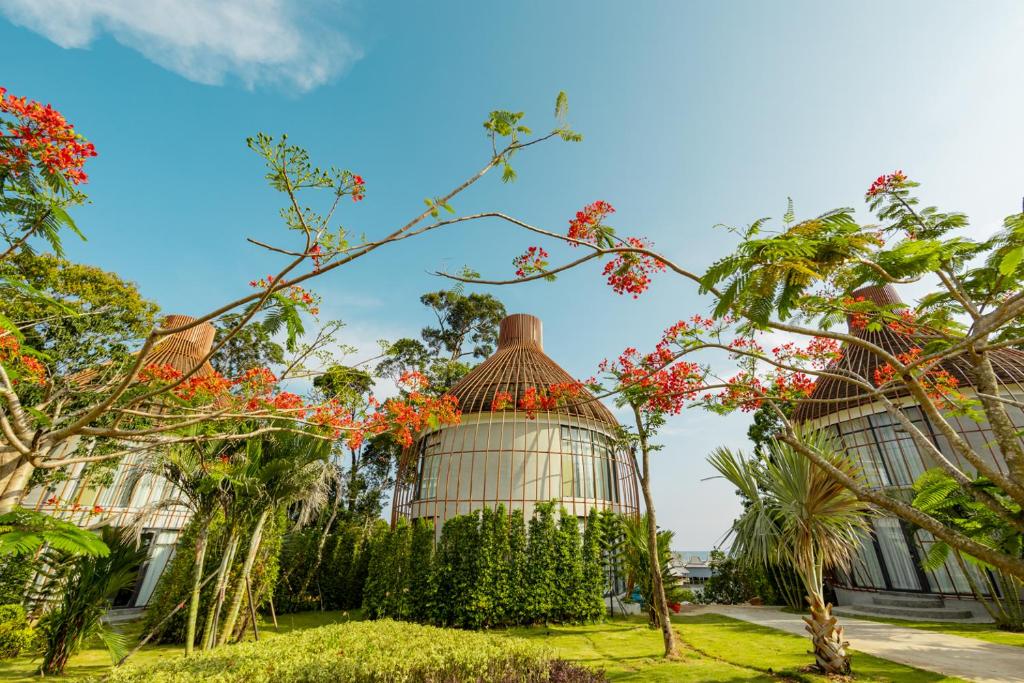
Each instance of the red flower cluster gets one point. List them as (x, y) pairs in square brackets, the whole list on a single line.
[(819, 353), (939, 384), (630, 272), (906, 325), (582, 227), (548, 398), (299, 295), (502, 400), (886, 183), (42, 132), (664, 383), (413, 381), (858, 320), (31, 368), (533, 260), (358, 188)]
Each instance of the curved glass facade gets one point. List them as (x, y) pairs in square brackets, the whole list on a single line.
[(889, 558), (508, 459)]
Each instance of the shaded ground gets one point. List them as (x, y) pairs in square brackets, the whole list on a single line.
[(716, 648)]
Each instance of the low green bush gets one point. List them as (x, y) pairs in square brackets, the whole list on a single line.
[(366, 652), (16, 635)]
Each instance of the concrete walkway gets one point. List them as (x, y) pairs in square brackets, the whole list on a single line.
[(969, 658)]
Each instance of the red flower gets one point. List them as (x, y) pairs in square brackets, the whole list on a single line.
[(531, 262), (39, 132), (583, 226), (630, 272), (887, 183)]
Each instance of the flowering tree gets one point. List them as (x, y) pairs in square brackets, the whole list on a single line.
[(49, 420), (799, 282)]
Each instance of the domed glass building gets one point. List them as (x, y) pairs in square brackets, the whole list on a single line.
[(511, 458), (889, 559)]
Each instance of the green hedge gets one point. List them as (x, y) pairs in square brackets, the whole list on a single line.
[(486, 571), (359, 652)]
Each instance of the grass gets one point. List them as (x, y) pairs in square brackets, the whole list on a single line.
[(715, 648)]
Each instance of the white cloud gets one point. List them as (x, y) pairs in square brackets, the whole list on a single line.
[(260, 42)]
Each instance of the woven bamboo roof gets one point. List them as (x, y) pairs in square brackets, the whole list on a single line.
[(182, 350), (860, 363), (518, 364)]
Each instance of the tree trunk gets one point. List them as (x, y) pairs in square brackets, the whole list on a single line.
[(657, 586), (209, 629), (14, 478), (193, 607), (829, 647), (243, 580)]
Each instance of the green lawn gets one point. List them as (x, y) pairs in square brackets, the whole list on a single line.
[(716, 648)]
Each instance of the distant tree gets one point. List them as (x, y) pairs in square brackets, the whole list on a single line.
[(462, 320), (250, 346), (467, 328), (85, 315)]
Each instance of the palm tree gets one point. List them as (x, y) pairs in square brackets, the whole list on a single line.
[(202, 479), (799, 515), (636, 560), (78, 591), (289, 468)]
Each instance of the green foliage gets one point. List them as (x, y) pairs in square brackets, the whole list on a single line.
[(467, 327), (373, 651), (568, 582), (590, 592), (175, 584), (15, 575), (77, 315), (78, 591), (636, 561), (939, 495), (24, 532), (16, 634), (481, 573), (733, 582), (541, 567), (252, 346), (798, 516)]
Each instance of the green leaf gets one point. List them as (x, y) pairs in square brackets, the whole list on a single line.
[(1011, 260), (561, 105)]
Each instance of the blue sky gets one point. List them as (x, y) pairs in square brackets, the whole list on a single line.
[(694, 114)]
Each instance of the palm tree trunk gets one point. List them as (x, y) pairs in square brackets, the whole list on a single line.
[(827, 636), (657, 586), (250, 560), (193, 607), (209, 629)]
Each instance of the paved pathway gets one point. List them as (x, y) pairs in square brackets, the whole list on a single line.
[(969, 658)]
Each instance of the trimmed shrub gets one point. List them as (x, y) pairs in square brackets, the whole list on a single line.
[(16, 635), (485, 572), (359, 652)]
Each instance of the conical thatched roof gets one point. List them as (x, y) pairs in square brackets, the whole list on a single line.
[(861, 363), (518, 364)]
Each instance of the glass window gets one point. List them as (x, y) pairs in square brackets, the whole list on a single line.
[(893, 543), (587, 470)]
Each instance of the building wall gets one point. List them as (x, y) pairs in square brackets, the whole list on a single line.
[(889, 558), (131, 491), (499, 458)]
